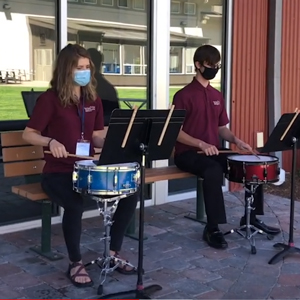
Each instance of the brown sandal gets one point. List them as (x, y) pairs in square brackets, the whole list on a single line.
[(123, 265), (78, 274)]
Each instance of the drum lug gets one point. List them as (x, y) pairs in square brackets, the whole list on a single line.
[(244, 172), (137, 177), (115, 179), (75, 176), (89, 179), (266, 172)]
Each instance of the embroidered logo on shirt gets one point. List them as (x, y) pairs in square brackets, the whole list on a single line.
[(89, 109), (216, 102)]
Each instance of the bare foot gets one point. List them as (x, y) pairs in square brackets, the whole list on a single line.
[(79, 273)]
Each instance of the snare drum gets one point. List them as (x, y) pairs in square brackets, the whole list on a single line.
[(105, 180), (249, 169)]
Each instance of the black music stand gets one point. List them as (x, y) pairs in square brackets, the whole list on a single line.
[(151, 135), (29, 99), (284, 137)]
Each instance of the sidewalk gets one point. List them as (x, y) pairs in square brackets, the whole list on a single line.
[(174, 256)]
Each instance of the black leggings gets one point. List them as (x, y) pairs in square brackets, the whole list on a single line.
[(212, 170), (59, 188)]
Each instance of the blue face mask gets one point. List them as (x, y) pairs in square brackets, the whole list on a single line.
[(82, 77)]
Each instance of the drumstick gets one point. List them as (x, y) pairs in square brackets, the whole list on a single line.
[(135, 109), (74, 155), (166, 125), (255, 154), (220, 151), (291, 123)]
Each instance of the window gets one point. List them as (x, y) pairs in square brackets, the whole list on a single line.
[(175, 7), (189, 60), (187, 33), (26, 63), (123, 3), (133, 60), (107, 2), (111, 59), (139, 4), (189, 8), (117, 42), (176, 60), (90, 1)]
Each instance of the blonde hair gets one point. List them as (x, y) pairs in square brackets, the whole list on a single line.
[(62, 81)]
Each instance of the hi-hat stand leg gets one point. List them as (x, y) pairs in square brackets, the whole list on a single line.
[(104, 263), (248, 231), (290, 247)]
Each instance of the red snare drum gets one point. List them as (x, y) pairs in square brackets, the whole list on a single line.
[(249, 169)]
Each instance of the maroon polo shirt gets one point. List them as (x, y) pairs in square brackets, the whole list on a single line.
[(205, 112), (64, 124)]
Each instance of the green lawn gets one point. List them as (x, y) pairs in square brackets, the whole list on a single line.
[(12, 106)]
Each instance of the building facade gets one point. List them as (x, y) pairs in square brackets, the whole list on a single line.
[(147, 51)]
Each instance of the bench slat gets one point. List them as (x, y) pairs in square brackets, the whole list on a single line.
[(23, 168), (22, 153), (32, 191), (13, 138), (165, 173)]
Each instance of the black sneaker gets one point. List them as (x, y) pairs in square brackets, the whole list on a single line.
[(214, 239)]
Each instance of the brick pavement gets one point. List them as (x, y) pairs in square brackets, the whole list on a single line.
[(175, 257)]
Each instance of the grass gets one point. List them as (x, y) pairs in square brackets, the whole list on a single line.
[(12, 106)]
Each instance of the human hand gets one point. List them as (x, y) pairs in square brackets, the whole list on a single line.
[(242, 145), (208, 149), (57, 149)]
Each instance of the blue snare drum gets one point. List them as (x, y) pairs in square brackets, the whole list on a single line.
[(105, 180)]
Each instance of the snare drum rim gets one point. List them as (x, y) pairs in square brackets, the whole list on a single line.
[(102, 168), (109, 193), (275, 161)]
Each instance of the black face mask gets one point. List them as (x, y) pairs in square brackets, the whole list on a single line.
[(209, 73)]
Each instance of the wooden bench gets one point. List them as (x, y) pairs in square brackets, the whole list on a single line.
[(21, 159)]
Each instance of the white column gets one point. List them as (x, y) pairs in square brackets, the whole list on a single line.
[(62, 21), (62, 27), (161, 73), (228, 64), (274, 65)]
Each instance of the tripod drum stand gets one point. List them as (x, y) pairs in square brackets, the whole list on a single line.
[(252, 171), (106, 185)]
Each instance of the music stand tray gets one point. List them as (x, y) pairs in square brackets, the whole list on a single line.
[(140, 136), (285, 137)]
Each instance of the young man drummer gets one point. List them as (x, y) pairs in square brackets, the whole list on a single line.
[(205, 123), (68, 118)]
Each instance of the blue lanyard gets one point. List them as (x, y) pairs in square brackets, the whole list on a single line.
[(81, 116)]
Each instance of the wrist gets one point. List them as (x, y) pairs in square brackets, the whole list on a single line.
[(236, 140), (49, 142), (200, 144)]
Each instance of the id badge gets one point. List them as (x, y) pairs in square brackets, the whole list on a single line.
[(83, 148)]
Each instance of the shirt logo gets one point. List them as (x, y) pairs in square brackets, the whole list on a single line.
[(216, 102), (89, 109)]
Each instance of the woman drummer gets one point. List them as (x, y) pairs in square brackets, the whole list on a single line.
[(68, 118)]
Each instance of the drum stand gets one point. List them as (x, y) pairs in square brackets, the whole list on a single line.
[(104, 263), (248, 231)]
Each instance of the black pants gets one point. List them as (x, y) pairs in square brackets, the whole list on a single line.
[(212, 170), (59, 188)]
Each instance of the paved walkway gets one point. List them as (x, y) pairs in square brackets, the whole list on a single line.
[(175, 257)]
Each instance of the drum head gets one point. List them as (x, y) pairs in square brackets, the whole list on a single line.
[(122, 166), (252, 158), (85, 163)]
